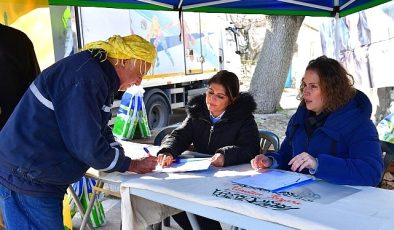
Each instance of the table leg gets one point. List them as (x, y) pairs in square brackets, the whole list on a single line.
[(193, 221), (90, 206)]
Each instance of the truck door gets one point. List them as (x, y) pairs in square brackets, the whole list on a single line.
[(191, 36)]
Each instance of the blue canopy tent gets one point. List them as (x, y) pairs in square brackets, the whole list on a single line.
[(338, 8)]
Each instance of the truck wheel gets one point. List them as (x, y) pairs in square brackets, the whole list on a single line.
[(157, 111)]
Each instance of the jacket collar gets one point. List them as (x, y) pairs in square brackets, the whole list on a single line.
[(356, 110), (107, 68)]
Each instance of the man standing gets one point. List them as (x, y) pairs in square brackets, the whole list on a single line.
[(18, 68), (59, 130)]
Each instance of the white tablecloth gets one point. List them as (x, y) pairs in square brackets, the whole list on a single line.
[(315, 206)]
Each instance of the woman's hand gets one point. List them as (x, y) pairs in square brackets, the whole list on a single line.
[(260, 162), (302, 161), (165, 159), (217, 160)]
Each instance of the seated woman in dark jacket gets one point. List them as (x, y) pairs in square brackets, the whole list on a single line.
[(219, 123), (331, 135)]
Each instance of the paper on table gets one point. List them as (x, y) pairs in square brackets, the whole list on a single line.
[(136, 150), (274, 180), (186, 165)]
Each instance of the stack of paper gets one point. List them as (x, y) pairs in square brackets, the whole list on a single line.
[(186, 165), (275, 180)]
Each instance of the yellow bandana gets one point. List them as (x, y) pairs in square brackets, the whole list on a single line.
[(124, 48)]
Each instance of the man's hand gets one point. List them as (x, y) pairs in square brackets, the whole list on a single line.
[(143, 165), (217, 160), (261, 162)]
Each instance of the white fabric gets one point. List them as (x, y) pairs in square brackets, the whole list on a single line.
[(351, 208), (113, 163), (138, 213), (40, 97)]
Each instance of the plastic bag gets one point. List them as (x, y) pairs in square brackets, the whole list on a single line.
[(131, 119), (386, 129), (84, 190), (143, 125), (126, 118)]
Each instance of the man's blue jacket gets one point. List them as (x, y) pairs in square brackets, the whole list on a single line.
[(59, 128), (347, 145)]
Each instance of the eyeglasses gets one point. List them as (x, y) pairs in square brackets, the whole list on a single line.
[(218, 96)]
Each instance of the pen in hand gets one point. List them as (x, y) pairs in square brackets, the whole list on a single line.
[(147, 151)]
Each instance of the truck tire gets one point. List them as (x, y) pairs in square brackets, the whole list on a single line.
[(157, 111)]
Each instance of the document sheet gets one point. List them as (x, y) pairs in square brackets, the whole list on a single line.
[(275, 180), (186, 165)]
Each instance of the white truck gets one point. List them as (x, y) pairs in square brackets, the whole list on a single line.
[(189, 50)]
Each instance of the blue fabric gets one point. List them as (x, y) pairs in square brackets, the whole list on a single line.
[(356, 159), (44, 150), (214, 119), (22, 212)]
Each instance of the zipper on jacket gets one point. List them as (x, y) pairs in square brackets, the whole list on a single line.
[(210, 134)]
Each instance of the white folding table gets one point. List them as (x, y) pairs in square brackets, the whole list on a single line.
[(212, 194)]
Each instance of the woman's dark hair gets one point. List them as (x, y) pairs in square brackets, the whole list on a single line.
[(229, 81), (335, 82)]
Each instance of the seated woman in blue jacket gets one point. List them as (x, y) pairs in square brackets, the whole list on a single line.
[(331, 135), (219, 123)]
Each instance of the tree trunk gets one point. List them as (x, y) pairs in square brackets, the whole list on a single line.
[(269, 77), (384, 103)]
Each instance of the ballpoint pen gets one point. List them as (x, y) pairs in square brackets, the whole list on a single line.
[(147, 151)]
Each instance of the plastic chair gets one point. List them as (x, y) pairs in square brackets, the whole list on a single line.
[(163, 132), (269, 141), (388, 156)]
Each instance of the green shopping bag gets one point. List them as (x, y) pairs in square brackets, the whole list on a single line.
[(126, 119), (131, 120), (386, 129), (143, 125), (84, 190)]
